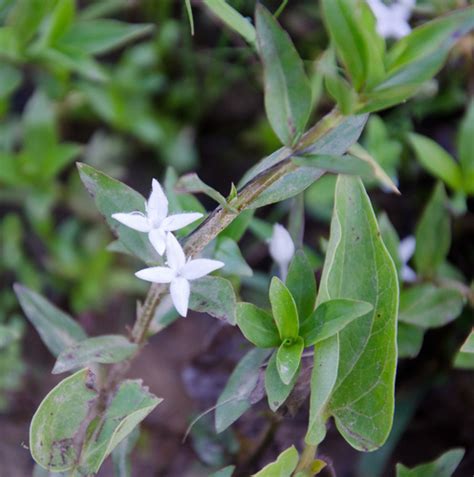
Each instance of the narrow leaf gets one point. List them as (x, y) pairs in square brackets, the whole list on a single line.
[(288, 359), (466, 149), (409, 340), (284, 309), (284, 466), (443, 466), (191, 183), (257, 326), (277, 391), (468, 346)]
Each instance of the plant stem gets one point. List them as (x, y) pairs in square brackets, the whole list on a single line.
[(307, 459)]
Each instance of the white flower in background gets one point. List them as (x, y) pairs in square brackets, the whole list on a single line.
[(406, 249), (156, 222), (392, 20), (178, 273), (281, 248)]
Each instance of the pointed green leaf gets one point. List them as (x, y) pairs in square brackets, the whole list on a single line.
[(468, 345), (284, 309), (58, 22), (105, 349), (58, 419), (443, 466), (287, 88), (257, 326), (409, 340), (129, 406), (191, 183), (429, 306), (236, 398), (437, 161), (277, 391), (301, 283), (215, 296), (233, 19), (111, 196), (330, 318), (433, 234), (288, 358), (466, 149), (284, 465), (58, 330), (359, 267)]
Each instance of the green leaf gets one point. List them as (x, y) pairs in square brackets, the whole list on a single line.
[(228, 251), (284, 309), (236, 398), (464, 360), (10, 79), (288, 358), (437, 161), (284, 466), (215, 296), (233, 19), (95, 37), (121, 455), (428, 306), (466, 148), (330, 318), (189, 11), (226, 471), (433, 234), (58, 419), (191, 183), (357, 388), (409, 340), (443, 466), (301, 283), (468, 345), (341, 91), (59, 22), (390, 239), (352, 30), (257, 326), (129, 406), (58, 330), (112, 196), (106, 349), (238, 226), (277, 391), (287, 89)]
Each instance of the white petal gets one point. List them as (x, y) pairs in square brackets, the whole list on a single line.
[(174, 253), (378, 8), (156, 274), (180, 291), (178, 221), (200, 267), (281, 245), (157, 238), (157, 205), (134, 220), (406, 249), (407, 274)]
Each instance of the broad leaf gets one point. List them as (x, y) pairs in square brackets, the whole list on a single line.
[(288, 359), (277, 391), (301, 283), (433, 234), (105, 349), (284, 465), (429, 306), (236, 398), (466, 148), (409, 340), (257, 326), (129, 406), (287, 89), (233, 19), (443, 466), (111, 196), (58, 330), (284, 309), (215, 296), (330, 318), (437, 161), (58, 419), (358, 388)]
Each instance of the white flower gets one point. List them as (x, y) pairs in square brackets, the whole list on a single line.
[(392, 20), (178, 273), (156, 222), (406, 249), (281, 248)]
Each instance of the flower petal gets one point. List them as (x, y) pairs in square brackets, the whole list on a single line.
[(406, 249), (200, 267), (178, 221), (408, 275), (157, 238), (134, 220), (180, 291), (174, 253), (156, 274), (157, 205), (281, 245)]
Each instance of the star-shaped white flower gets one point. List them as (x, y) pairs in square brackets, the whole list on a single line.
[(392, 20), (156, 222), (406, 249), (179, 273), (281, 248)]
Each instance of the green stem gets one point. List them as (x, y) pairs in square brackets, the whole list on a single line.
[(306, 461)]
